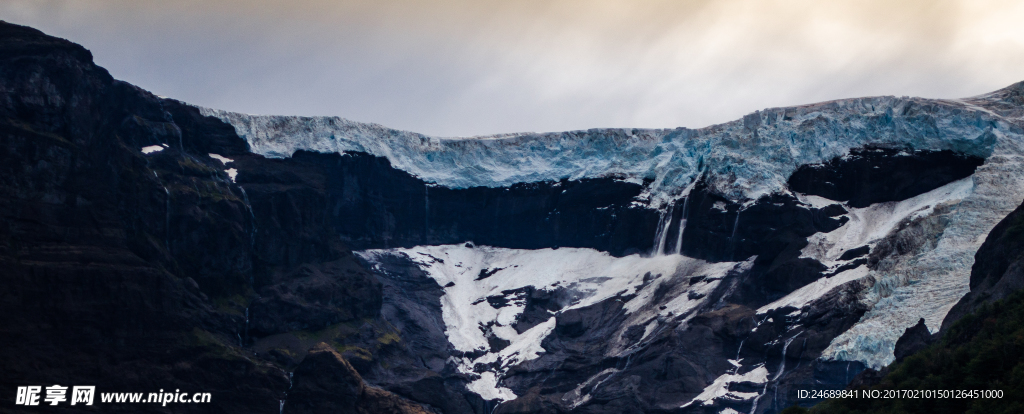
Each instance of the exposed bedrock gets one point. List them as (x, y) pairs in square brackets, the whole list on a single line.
[(913, 340), (325, 383), (315, 296), (132, 270), (417, 367), (112, 265), (373, 205), (875, 175)]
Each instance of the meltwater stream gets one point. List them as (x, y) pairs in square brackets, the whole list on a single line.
[(662, 234), (782, 369)]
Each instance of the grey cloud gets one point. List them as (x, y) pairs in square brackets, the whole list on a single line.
[(471, 67)]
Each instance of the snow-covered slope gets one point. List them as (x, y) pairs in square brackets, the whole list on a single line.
[(480, 295), (944, 227), (742, 160)]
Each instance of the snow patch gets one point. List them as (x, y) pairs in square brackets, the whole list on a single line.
[(810, 292), (815, 201), (578, 397), (153, 149), (232, 172), (584, 277), (866, 227), (487, 388), (222, 159), (719, 388)]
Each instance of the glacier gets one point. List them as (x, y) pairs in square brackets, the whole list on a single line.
[(742, 161)]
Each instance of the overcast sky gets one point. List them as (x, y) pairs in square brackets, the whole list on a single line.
[(460, 68)]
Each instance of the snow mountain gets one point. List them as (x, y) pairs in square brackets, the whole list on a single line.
[(816, 235), (311, 264)]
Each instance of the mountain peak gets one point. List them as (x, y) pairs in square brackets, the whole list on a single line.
[(24, 40)]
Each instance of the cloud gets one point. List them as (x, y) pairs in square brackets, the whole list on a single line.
[(478, 67)]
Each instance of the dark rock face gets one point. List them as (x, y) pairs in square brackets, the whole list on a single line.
[(914, 339), (717, 230), (132, 272), (539, 306), (315, 296), (326, 383), (417, 366), (867, 378), (874, 175), (808, 332), (998, 268), (855, 253), (373, 205)]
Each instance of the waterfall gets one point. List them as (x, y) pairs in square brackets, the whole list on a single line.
[(252, 215), (737, 367), (167, 219), (282, 401), (782, 369), (662, 234), (735, 225), (252, 242), (682, 226), (657, 234), (679, 238)]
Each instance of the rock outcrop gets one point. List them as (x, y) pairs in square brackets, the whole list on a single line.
[(134, 270), (326, 383)]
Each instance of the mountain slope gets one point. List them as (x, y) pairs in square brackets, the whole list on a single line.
[(982, 351), (159, 245), (980, 343), (133, 270)]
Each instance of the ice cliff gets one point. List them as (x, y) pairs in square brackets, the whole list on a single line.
[(741, 160)]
